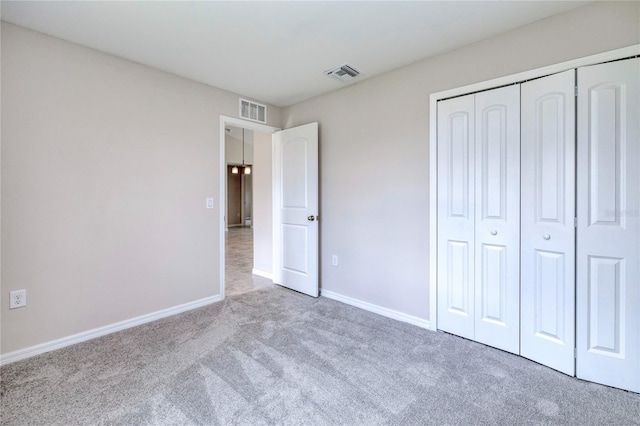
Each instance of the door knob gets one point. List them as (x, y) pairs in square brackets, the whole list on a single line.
[(546, 236), (494, 232), (311, 218)]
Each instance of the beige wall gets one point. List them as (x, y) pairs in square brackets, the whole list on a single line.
[(374, 146), (106, 165)]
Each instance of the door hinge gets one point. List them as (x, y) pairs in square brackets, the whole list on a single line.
[(575, 91), (575, 353), (575, 222)]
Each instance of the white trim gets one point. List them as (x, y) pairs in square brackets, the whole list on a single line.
[(276, 213), (262, 274), (433, 213), (540, 72), (611, 55), (103, 331), (222, 190), (385, 312)]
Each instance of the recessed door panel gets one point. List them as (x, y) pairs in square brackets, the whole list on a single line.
[(294, 173), (547, 216), (550, 151), (458, 159), (608, 239), (456, 216), (497, 237), (458, 302), (493, 163), (606, 146), (606, 312), (493, 284), (294, 259), (549, 296)]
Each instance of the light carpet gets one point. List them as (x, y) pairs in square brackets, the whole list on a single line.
[(276, 357)]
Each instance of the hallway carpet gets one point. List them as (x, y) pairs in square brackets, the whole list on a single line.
[(276, 357)]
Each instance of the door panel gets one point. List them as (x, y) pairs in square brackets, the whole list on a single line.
[(456, 216), (547, 221), (606, 312), (497, 224), (492, 285), (608, 240), (296, 199)]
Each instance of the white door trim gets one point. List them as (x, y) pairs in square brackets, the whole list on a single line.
[(433, 117), (222, 171)]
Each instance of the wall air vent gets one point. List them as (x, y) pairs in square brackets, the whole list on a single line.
[(343, 73), (253, 111)]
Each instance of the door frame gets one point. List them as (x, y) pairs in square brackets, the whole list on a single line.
[(222, 189), (611, 55)]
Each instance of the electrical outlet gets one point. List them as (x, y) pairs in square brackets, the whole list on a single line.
[(17, 299), (334, 260)]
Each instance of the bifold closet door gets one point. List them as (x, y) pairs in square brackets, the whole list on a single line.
[(547, 321), (479, 217), (497, 218), (456, 216), (608, 241)]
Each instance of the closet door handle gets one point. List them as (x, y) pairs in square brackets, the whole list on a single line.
[(494, 232), (546, 236)]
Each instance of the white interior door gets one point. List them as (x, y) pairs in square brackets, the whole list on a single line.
[(608, 242), (456, 152), (497, 218), (295, 201), (547, 284)]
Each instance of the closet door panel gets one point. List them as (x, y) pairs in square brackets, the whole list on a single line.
[(547, 221), (456, 216), (497, 242), (608, 240)]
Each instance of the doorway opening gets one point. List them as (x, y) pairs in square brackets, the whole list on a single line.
[(246, 206)]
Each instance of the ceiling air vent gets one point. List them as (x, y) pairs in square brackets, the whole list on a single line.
[(343, 73), (253, 111)]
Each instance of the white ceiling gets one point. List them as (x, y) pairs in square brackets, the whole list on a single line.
[(276, 52)]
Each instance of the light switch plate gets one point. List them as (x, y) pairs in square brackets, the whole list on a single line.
[(209, 203)]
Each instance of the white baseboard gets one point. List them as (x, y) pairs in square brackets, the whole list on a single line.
[(263, 274), (386, 312), (102, 331)]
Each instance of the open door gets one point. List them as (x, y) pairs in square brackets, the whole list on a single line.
[(295, 203)]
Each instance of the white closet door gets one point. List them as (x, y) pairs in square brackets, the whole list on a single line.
[(547, 320), (608, 243), (497, 205), (456, 216)]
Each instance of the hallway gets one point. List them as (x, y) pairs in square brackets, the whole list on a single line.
[(239, 263)]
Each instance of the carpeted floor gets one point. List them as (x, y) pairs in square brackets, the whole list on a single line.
[(274, 356)]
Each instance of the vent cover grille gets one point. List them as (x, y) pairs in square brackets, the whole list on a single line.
[(343, 73), (253, 111)]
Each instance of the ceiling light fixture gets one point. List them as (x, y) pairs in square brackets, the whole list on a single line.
[(246, 169)]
